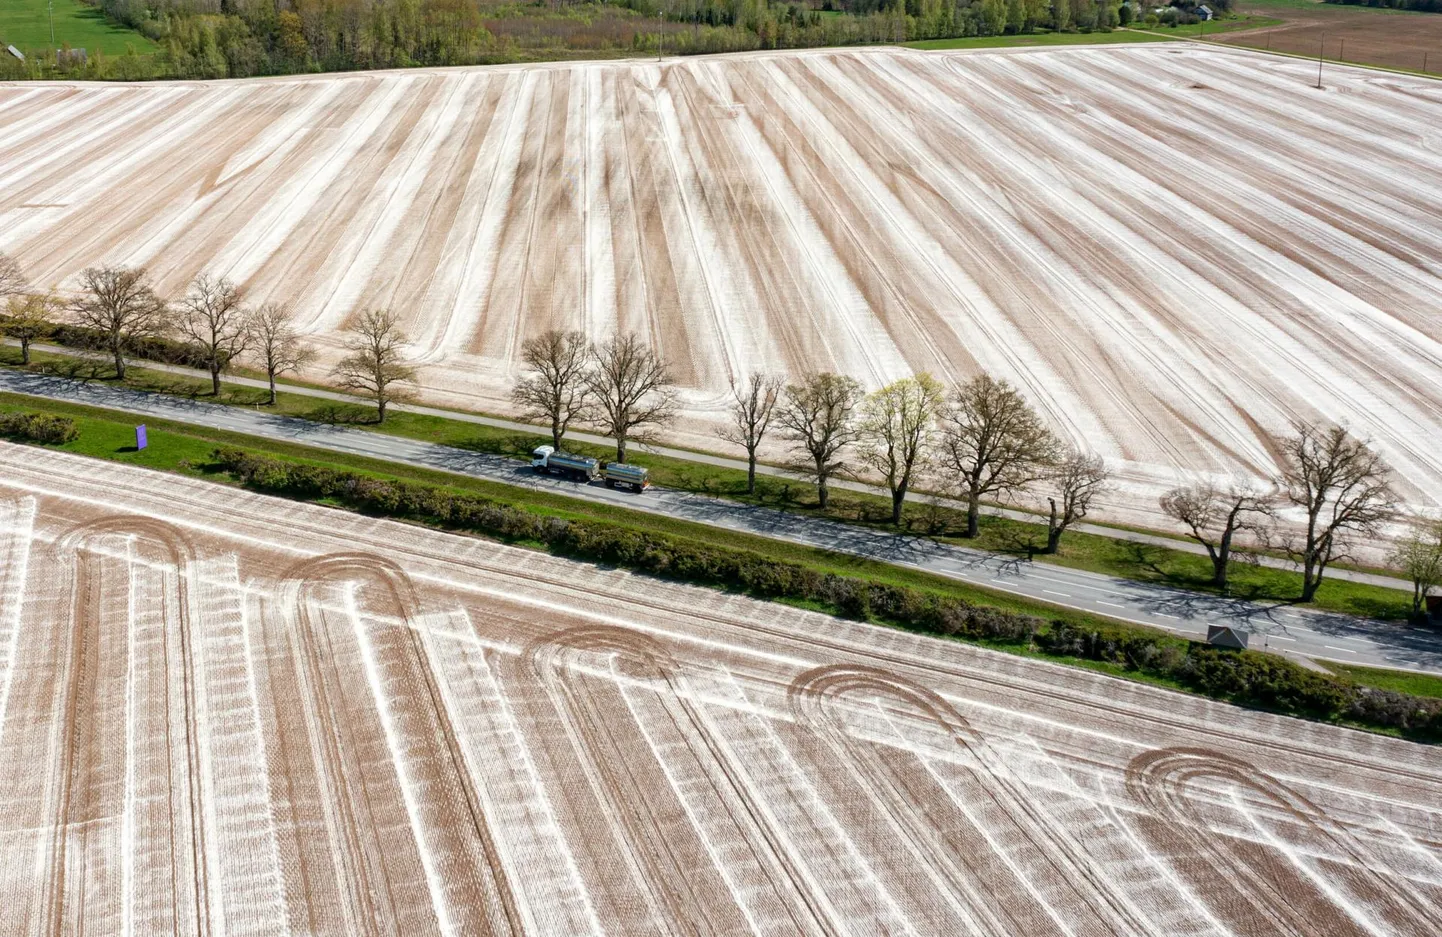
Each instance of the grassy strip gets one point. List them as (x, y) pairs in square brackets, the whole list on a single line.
[(1091, 552), (797, 575), (27, 24), (1034, 39), (1398, 681)]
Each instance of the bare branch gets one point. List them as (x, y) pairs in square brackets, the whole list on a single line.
[(118, 304), (898, 427), (1341, 486), (12, 277), (1214, 517), (817, 417), (557, 392), (752, 406), (632, 389), (274, 343), (995, 443), (376, 361), (1076, 480), (215, 321)]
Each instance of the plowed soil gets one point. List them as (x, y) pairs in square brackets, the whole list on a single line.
[(1174, 249), (290, 720), (1411, 41)]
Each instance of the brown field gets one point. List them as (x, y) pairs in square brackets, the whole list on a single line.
[(1411, 41), (1174, 249), (291, 720)]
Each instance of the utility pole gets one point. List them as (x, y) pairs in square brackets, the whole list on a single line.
[(51, 7), (1320, 47)]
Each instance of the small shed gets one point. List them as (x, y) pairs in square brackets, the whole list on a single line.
[(1227, 636), (1204, 13)]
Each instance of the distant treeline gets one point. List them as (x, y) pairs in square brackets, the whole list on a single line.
[(242, 38), (1420, 6)]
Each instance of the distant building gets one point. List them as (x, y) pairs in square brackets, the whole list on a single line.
[(1204, 13)]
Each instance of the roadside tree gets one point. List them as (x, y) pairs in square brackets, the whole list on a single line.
[(274, 343), (818, 417), (29, 316), (753, 405), (215, 321), (897, 430), (633, 391), (12, 277), (119, 305), (376, 360), (1076, 480), (1342, 488), (1418, 556), (556, 392), (994, 442), (1213, 517)]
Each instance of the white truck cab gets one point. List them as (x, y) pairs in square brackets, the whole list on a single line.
[(545, 459)]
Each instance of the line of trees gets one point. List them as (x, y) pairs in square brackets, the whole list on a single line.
[(981, 441)]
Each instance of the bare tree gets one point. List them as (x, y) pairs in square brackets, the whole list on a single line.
[(12, 278), (216, 322), (1419, 556), (274, 343), (1077, 479), (817, 415), (28, 317), (1213, 517), (557, 392), (120, 305), (995, 442), (898, 426), (1341, 486), (376, 360), (633, 390), (752, 406)]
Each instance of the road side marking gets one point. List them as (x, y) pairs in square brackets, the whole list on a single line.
[(1109, 604), (1333, 647), (1062, 594), (1278, 637), (1172, 617)]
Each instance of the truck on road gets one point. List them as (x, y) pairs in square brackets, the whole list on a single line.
[(546, 460), (628, 476)]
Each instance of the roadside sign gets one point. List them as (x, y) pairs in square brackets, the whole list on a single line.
[(140, 437)]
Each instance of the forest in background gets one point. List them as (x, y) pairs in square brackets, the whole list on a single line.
[(243, 38)]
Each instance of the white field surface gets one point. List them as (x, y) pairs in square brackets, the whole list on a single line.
[(1174, 250), (285, 719)]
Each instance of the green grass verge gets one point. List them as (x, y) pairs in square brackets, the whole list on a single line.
[(25, 24), (186, 449), (1036, 39), (1399, 681), (1091, 552)]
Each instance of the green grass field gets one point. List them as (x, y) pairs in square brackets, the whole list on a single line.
[(1400, 681), (1079, 550), (25, 24)]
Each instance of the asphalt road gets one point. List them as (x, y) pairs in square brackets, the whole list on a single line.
[(1291, 631)]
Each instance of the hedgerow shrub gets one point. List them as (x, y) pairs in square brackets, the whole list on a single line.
[(1246, 678), (39, 427)]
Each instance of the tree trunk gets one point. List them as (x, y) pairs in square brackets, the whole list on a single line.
[(272, 388), (556, 435), (823, 494), (1221, 560), (1311, 579), (898, 501), (1053, 531), (973, 515), (380, 409), (24, 350), (214, 380), (621, 448), (751, 472), (119, 365)]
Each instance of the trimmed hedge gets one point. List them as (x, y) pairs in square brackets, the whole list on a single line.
[(38, 427), (156, 348), (1246, 678)]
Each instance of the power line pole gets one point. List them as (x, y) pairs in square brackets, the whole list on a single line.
[(1320, 47), (51, 7)]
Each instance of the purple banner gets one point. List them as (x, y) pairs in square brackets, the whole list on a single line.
[(140, 438)]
